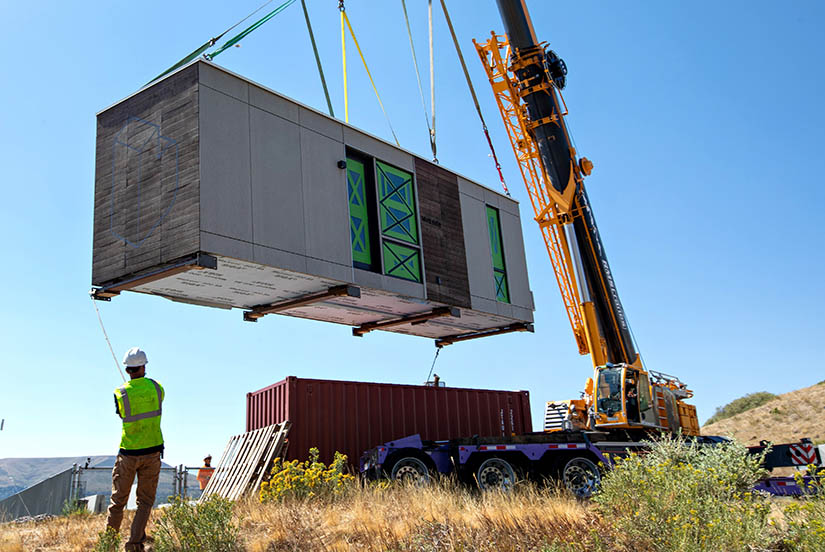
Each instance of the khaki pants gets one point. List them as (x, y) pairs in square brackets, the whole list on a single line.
[(147, 469)]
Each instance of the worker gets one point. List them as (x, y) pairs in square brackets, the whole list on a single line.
[(632, 401), (138, 402), (205, 473)]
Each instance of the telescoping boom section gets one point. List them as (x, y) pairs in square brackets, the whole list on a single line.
[(527, 79)]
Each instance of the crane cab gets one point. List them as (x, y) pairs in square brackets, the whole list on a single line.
[(623, 398)]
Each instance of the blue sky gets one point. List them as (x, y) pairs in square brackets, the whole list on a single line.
[(704, 121)]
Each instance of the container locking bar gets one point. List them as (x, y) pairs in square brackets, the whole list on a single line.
[(198, 261), (449, 340), (260, 311), (414, 319)]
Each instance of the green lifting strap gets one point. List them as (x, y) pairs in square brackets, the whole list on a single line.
[(208, 44), (317, 58), (188, 58), (240, 36)]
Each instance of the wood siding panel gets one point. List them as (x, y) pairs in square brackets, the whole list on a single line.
[(147, 166), (442, 234)]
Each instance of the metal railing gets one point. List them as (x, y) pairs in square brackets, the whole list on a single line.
[(174, 482)]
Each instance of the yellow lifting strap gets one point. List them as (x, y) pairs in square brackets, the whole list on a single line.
[(344, 59), (344, 19)]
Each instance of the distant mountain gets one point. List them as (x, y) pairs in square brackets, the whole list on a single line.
[(10, 490), (17, 474), (784, 419)]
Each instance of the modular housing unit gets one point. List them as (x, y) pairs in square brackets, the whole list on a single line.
[(351, 417), (213, 190)]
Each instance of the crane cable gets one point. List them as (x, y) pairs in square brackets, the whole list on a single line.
[(437, 351), (317, 58), (344, 19), (430, 128), (475, 98), (106, 336)]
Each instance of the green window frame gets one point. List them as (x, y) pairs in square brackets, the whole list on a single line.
[(359, 225), (402, 261), (497, 253), (398, 221), (396, 201)]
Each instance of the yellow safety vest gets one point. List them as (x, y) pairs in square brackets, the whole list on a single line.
[(139, 404)]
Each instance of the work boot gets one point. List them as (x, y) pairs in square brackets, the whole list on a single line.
[(135, 548)]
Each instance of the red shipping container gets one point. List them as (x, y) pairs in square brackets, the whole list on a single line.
[(351, 417)]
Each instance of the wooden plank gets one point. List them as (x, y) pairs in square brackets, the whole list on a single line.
[(254, 459), (220, 469), (275, 450), (231, 474), (250, 441), (246, 459), (220, 462)]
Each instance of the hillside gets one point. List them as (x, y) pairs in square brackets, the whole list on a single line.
[(786, 418)]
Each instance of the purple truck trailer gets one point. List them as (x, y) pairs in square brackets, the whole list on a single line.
[(577, 459)]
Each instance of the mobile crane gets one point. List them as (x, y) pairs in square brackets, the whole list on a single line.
[(527, 79), (623, 403)]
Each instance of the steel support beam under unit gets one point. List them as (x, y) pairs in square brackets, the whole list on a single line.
[(260, 311), (197, 261), (414, 319), (449, 340)]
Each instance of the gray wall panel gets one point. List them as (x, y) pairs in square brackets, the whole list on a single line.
[(226, 197), (321, 124), (522, 313), (404, 287), (278, 258), (380, 150), (326, 269), (470, 188), (326, 209), (484, 305), (224, 82), (273, 103), (367, 278), (511, 206), (477, 245), (277, 195), (228, 247), (515, 260)]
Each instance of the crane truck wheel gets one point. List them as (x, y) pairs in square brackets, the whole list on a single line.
[(410, 469), (495, 473), (581, 477)]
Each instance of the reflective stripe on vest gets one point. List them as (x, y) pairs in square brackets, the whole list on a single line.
[(127, 407)]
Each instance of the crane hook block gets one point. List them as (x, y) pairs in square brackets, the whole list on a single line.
[(586, 166)]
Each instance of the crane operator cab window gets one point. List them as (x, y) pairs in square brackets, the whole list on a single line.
[(609, 390)]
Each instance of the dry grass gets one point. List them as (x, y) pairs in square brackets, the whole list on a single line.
[(441, 517), (63, 534), (785, 419)]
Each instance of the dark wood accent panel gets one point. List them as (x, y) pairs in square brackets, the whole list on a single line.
[(147, 206), (445, 259)]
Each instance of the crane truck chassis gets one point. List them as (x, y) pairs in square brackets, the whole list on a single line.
[(577, 459)]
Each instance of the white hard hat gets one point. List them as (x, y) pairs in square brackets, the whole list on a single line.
[(134, 357)]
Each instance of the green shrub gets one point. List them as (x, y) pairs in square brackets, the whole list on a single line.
[(685, 497), (806, 517), (74, 509), (197, 527), (107, 541), (751, 400), (309, 479)]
